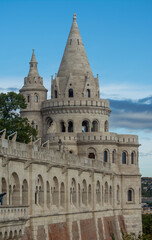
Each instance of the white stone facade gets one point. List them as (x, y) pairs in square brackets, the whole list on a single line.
[(92, 178)]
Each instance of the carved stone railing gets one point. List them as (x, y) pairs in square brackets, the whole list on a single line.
[(12, 213), (77, 103)]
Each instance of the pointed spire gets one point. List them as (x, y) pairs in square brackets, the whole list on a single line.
[(74, 59), (33, 66)]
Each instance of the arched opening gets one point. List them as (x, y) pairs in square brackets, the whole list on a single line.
[(133, 158), (4, 190), (124, 159), (94, 127), (84, 192), (130, 195), (73, 192), (105, 155), (85, 126), (15, 187), (114, 156), (89, 194), (118, 194), (28, 98), (98, 193), (62, 126), (71, 93), (88, 93), (79, 195), (55, 192), (62, 195), (106, 192), (48, 194), (49, 121), (106, 126), (55, 94), (70, 126), (36, 98), (39, 191), (25, 192), (91, 153), (110, 195)]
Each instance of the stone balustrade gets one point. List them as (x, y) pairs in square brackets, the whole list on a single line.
[(78, 103), (10, 213)]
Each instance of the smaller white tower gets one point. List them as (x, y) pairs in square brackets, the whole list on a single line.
[(35, 93)]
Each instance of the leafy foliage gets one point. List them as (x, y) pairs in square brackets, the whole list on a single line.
[(10, 119)]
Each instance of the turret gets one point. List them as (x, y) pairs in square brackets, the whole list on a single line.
[(35, 93), (75, 78)]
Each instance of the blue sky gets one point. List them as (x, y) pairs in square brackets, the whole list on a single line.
[(117, 35)]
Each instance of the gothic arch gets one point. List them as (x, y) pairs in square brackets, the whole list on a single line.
[(55, 192), (84, 192), (25, 192), (4, 190), (48, 200), (15, 189), (73, 192), (95, 126), (62, 195), (98, 192)]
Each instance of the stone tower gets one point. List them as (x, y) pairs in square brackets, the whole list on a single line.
[(35, 93), (75, 113)]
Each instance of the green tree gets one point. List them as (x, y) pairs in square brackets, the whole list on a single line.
[(10, 104)]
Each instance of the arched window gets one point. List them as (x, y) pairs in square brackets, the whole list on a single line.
[(71, 92), (114, 156), (98, 193), (48, 194), (88, 94), (130, 195), (85, 126), (124, 158), (73, 192), (94, 127), (133, 158), (36, 98), (39, 192), (89, 194), (106, 126), (118, 194), (79, 195), (62, 126), (105, 156), (84, 192), (106, 192), (55, 192), (28, 98), (110, 195), (4, 190), (70, 126), (15, 189), (55, 94), (25, 192), (62, 195)]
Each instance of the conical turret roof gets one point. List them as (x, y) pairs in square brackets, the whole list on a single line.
[(74, 59), (33, 66)]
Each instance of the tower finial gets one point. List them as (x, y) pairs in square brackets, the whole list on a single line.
[(74, 17)]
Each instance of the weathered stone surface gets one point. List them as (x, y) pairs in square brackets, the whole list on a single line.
[(122, 223), (41, 233), (88, 230), (100, 229), (110, 228), (58, 231), (27, 234), (75, 231)]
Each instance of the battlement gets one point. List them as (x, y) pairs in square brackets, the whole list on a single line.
[(95, 137), (37, 154)]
